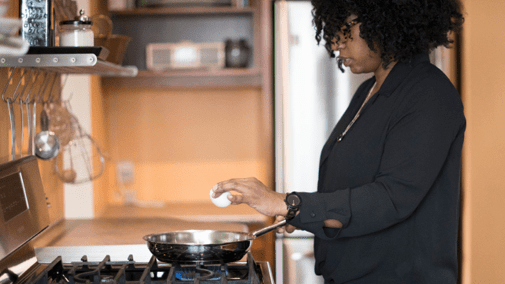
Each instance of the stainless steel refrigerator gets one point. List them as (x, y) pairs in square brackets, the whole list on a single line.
[(311, 94)]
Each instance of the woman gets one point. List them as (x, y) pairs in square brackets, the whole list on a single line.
[(386, 208)]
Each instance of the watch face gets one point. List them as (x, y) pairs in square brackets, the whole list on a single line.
[(293, 200)]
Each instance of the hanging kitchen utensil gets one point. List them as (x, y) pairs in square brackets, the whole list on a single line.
[(31, 114), (21, 133), (10, 109), (61, 123), (21, 102), (83, 160), (13, 128), (47, 145), (203, 246), (10, 104), (7, 85), (20, 95), (61, 119), (37, 98)]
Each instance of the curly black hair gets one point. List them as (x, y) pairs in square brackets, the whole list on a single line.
[(399, 29)]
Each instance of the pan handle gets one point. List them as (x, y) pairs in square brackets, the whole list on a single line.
[(265, 230)]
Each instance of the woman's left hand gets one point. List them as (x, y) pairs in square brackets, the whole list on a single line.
[(255, 194), (285, 229)]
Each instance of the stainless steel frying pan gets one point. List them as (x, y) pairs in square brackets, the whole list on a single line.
[(203, 246)]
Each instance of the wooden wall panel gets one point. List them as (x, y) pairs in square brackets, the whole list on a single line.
[(483, 85), (183, 141)]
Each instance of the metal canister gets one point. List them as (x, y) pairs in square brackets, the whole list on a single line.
[(36, 16)]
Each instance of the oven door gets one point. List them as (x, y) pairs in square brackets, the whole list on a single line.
[(296, 266)]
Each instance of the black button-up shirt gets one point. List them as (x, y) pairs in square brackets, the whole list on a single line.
[(393, 182)]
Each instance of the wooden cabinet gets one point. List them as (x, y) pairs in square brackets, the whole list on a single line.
[(182, 116), (198, 25)]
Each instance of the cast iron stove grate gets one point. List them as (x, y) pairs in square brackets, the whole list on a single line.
[(154, 272)]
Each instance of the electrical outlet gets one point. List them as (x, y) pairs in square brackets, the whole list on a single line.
[(130, 197), (125, 171)]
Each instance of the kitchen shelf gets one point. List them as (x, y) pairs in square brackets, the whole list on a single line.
[(250, 77), (184, 11), (86, 63)]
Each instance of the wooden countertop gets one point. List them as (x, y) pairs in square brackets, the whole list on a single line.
[(120, 231), (191, 212), (119, 224)]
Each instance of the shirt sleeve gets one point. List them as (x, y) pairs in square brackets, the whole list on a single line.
[(419, 138)]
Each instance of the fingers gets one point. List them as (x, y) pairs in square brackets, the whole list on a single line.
[(219, 189), (280, 230), (236, 199), (245, 186), (254, 193), (287, 228), (223, 186), (241, 185)]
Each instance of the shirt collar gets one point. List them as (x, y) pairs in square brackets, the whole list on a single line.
[(399, 72)]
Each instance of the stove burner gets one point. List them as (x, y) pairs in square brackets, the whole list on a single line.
[(100, 274), (107, 279), (202, 273), (129, 272)]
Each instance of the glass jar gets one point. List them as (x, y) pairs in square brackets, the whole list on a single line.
[(76, 32), (237, 53)]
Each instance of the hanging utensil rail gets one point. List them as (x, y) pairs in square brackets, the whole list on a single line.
[(69, 64)]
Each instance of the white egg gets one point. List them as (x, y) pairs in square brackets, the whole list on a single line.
[(222, 200)]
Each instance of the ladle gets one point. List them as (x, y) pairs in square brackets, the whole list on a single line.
[(13, 128), (21, 102), (37, 98), (10, 106), (47, 144), (31, 116)]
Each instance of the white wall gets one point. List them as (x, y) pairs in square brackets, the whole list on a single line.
[(78, 200)]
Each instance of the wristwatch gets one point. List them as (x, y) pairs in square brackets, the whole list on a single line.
[(293, 201)]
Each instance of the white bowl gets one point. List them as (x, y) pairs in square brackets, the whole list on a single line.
[(10, 26)]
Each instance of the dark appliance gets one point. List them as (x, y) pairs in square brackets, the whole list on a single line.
[(23, 215)]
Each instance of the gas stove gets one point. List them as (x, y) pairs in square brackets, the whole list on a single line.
[(132, 272), (23, 215)]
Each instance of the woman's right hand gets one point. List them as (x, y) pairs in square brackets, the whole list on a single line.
[(253, 193), (287, 228)]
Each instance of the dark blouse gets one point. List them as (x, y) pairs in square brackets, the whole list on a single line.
[(393, 182)]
